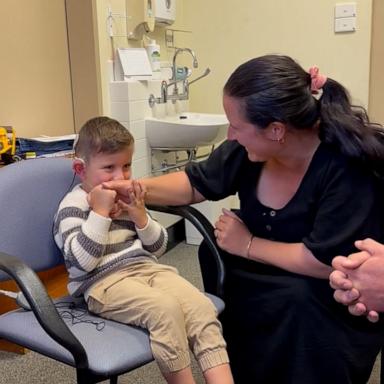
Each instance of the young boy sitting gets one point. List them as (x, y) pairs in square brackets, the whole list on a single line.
[(111, 249)]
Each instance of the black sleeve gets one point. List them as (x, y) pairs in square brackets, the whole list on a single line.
[(348, 210), (219, 175)]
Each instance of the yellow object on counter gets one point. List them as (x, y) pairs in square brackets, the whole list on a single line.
[(7, 140)]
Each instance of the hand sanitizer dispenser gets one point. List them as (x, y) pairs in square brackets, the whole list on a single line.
[(165, 12)]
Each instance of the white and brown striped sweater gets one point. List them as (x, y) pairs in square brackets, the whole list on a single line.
[(95, 246)]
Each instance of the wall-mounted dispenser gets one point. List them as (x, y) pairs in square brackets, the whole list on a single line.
[(165, 12), (140, 17)]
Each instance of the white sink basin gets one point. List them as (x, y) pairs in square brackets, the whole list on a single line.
[(186, 130)]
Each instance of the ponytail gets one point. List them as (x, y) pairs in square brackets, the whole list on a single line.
[(348, 128), (276, 88)]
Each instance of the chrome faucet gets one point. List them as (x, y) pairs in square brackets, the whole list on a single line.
[(163, 95), (206, 73), (164, 92), (179, 50), (174, 79)]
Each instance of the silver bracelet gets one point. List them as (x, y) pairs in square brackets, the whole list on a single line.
[(249, 247)]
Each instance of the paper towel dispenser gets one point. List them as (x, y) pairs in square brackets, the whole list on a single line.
[(140, 17), (165, 12)]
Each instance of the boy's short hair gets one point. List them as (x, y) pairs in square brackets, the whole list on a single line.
[(102, 135)]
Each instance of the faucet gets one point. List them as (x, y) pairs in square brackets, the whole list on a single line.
[(163, 95), (206, 73), (164, 92), (174, 70), (179, 50)]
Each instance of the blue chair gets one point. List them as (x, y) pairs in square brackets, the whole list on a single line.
[(30, 192)]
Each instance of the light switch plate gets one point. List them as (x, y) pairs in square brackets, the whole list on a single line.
[(345, 10), (345, 24)]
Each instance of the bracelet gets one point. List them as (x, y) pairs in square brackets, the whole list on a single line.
[(249, 247)]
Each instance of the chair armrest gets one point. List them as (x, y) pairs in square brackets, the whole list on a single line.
[(202, 224), (43, 307)]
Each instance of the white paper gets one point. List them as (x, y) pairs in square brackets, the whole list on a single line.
[(50, 139), (134, 62)]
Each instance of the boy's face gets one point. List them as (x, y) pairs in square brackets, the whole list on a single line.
[(106, 167)]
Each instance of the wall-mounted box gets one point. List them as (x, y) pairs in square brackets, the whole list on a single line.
[(140, 18), (165, 12)]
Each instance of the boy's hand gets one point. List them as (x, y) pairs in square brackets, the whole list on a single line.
[(135, 205), (102, 201)]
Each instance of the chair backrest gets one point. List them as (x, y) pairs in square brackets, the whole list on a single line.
[(30, 192)]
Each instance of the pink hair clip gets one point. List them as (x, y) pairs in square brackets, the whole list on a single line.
[(317, 80)]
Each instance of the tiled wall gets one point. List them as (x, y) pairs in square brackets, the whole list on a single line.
[(129, 105)]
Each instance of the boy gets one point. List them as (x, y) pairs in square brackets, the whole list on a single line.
[(111, 249)]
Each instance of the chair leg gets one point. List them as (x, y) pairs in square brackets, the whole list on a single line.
[(85, 377)]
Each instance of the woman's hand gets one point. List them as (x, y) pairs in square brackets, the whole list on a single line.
[(134, 204), (122, 188), (231, 234)]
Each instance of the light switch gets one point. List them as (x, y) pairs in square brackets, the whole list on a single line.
[(345, 10), (345, 24)]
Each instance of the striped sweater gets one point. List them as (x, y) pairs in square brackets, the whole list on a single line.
[(95, 246)]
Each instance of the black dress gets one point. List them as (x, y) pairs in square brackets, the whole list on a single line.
[(283, 327)]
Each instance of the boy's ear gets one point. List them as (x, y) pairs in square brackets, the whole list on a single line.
[(78, 166)]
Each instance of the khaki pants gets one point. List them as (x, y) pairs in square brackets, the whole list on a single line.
[(176, 314)]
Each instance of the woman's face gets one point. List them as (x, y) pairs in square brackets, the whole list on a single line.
[(261, 144)]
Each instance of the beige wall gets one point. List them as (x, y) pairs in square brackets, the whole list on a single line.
[(34, 73), (376, 91), (85, 72), (226, 33), (35, 95)]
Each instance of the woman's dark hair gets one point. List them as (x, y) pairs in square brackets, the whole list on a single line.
[(276, 88)]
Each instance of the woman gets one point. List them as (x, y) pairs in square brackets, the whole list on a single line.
[(303, 162)]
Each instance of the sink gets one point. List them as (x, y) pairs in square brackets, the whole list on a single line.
[(186, 130)]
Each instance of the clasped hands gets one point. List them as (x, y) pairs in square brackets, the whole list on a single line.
[(109, 202), (358, 279)]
